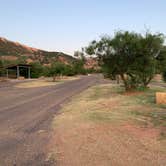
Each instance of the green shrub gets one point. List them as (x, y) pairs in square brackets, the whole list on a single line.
[(130, 55), (37, 70)]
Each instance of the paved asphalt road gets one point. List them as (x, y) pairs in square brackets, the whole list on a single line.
[(26, 116)]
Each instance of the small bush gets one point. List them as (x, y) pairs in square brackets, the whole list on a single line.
[(37, 70)]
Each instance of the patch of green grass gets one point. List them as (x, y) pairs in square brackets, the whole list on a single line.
[(143, 89), (154, 113), (140, 108), (108, 103), (156, 117), (100, 116), (148, 97), (143, 99), (106, 91)]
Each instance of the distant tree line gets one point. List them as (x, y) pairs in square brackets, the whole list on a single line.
[(133, 57), (55, 69)]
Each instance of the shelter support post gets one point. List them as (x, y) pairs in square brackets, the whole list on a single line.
[(29, 72), (18, 72), (7, 73)]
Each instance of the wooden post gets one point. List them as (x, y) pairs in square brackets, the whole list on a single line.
[(7, 73), (18, 72), (29, 72)]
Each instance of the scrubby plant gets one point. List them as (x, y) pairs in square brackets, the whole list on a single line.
[(56, 69), (37, 69), (130, 55)]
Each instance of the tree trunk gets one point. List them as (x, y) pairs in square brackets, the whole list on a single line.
[(127, 88), (117, 78), (147, 81), (54, 78)]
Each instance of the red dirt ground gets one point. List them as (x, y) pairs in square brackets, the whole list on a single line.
[(102, 144)]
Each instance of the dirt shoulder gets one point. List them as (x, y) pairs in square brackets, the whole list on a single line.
[(104, 126)]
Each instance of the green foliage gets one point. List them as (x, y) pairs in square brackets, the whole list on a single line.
[(60, 69), (46, 71), (57, 68), (78, 67), (3, 64), (69, 71), (37, 69), (161, 63), (130, 55), (149, 49)]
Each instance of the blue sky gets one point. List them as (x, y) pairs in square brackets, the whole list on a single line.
[(68, 25)]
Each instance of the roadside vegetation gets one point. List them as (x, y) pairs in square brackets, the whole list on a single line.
[(55, 69), (133, 57), (107, 126), (58, 69)]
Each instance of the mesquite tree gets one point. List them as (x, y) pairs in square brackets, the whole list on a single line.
[(130, 55)]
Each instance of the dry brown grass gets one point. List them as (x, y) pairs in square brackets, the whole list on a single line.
[(43, 82), (34, 84), (103, 127)]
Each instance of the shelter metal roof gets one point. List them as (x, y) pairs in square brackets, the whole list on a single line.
[(20, 65)]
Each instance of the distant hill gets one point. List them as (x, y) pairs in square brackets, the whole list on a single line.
[(14, 51)]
